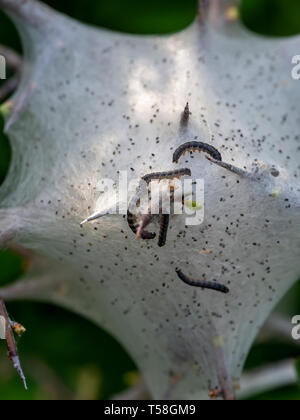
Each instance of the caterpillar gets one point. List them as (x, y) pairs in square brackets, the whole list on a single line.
[(202, 283), (132, 223), (177, 173), (164, 224), (196, 145)]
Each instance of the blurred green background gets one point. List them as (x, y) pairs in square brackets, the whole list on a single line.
[(63, 355)]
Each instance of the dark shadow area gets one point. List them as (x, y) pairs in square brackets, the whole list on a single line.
[(5, 152), (12, 266), (133, 16), (272, 17), (8, 33)]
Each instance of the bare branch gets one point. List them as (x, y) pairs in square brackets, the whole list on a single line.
[(11, 343)]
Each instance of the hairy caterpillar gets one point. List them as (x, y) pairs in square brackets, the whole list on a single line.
[(196, 145), (177, 173)]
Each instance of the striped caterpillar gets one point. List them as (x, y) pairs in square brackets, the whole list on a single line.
[(196, 145), (202, 283), (164, 224), (177, 173)]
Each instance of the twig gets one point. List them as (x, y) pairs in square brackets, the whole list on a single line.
[(268, 378), (234, 169), (11, 343)]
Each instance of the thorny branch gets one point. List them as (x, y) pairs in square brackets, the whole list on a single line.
[(10, 340)]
